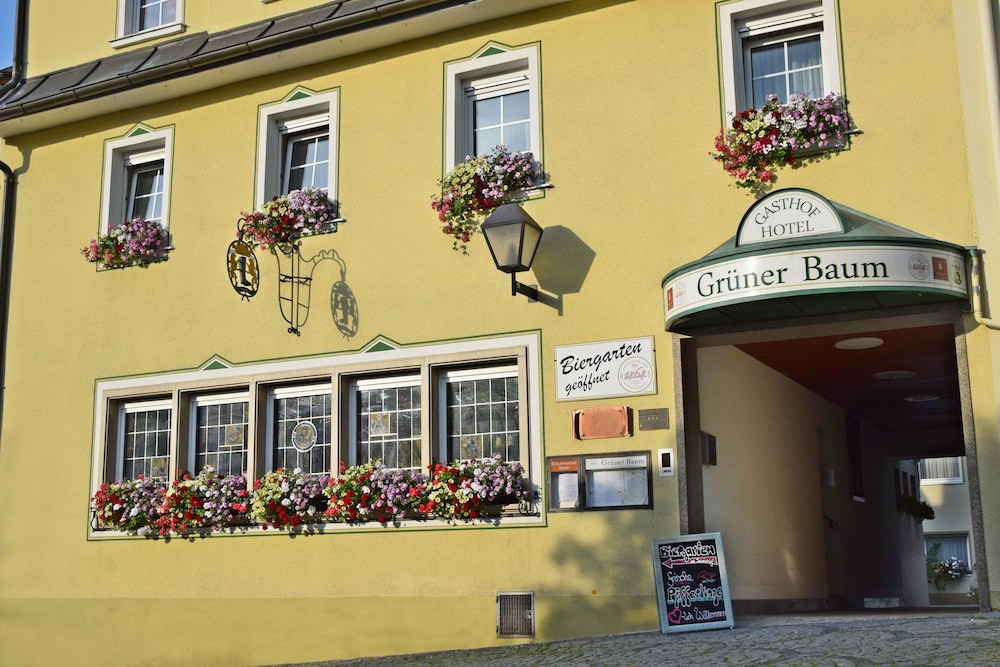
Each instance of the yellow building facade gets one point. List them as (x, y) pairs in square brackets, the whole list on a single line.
[(672, 375)]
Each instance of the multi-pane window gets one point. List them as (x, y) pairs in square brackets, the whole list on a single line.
[(301, 423), (386, 417), (144, 439), (501, 114), (220, 433), (785, 66), (779, 48), (297, 145), (149, 14), (482, 413), (137, 177), (145, 191), (942, 470), (493, 99)]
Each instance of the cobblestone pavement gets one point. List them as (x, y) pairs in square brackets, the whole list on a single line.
[(911, 639)]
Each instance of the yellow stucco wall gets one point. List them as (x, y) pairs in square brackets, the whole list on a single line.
[(626, 132)]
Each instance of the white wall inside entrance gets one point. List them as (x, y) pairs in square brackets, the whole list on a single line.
[(764, 493)]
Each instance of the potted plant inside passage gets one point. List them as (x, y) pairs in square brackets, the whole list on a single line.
[(474, 188), (916, 507), (759, 141), (284, 218), (940, 572), (135, 242)]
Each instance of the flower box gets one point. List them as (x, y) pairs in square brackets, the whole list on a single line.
[(759, 141), (476, 187), (286, 218), (135, 242)]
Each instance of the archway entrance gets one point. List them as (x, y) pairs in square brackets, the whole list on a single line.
[(817, 369)]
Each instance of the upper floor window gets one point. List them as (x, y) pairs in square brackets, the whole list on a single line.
[(942, 470), (139, 20), (297, 145), (137, 177), (493, 99), (777, 48)]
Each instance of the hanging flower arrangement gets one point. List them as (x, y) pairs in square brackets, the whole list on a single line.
[(372, 492), (208, 500), (463, 489), (135, 242), (474, 188), (759, 141), (287, 217), (286, 498)]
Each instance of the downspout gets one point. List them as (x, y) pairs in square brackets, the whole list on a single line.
[(9, 196), (988, 30)]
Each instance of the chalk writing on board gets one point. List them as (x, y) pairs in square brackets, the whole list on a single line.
[(691, 584)]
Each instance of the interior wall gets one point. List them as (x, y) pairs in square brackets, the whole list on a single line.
[(763, 494)]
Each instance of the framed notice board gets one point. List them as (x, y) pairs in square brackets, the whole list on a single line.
[(692, 590), (613, 481)]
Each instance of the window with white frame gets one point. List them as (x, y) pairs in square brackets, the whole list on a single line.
[(777, 47), (482, 413), (300, 428), (941, 470), (493, 99), (142, 446), (951, 544), (137, 177), (386, 421), (409, 408), (219, 433), (139, 20), (297, 142)]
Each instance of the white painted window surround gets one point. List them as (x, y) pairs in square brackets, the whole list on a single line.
[(167, 18), (140, 149), (755, 22)]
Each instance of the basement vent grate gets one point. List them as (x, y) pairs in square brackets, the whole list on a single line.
[(516, 614)]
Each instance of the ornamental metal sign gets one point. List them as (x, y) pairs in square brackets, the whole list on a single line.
[(244, 273), (602, 370)]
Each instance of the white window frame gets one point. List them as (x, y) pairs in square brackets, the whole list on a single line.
[(127, 407), (475, 373), (204, 400), (959, 479), (931, 538), (330, 374), (126, 34), (276, 121), (360, 383), (294, 391), (516, 69), (120, 157), (752, 20)]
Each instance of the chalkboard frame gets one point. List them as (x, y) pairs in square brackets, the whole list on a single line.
[(701, 540)]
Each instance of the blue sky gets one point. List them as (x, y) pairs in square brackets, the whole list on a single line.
[(6, 32)]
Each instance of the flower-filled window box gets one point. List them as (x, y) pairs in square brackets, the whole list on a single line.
[(286, 218), (759, 141), (474, 188), (135, 242), (292, 499)]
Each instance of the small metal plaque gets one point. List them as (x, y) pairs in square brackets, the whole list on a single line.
[(654, 419)]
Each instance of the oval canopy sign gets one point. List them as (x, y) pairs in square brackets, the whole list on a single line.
[(788, 214)]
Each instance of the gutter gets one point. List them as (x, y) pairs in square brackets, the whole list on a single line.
[(9, 196)]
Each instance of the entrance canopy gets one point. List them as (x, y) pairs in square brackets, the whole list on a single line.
[(798, 254)]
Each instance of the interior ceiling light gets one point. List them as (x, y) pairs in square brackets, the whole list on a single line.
[(893, 375), (921, 398), (860, 343)]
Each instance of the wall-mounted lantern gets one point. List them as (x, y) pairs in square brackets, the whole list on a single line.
[(513, 237)]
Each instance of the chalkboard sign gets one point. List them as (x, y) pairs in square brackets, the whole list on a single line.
[(692, 590)]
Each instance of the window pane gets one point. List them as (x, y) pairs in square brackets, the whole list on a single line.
[(220, 439), (807, 82), (146, 191), (487, 112), (154, 13), (803, 53), (765, 60), (302, 432), (515, 107), (146, 443), (487, 421), (943, 468), (504, 119), (388, 425), (789, 67), (956, 545), (307, 157), (487, 139)]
